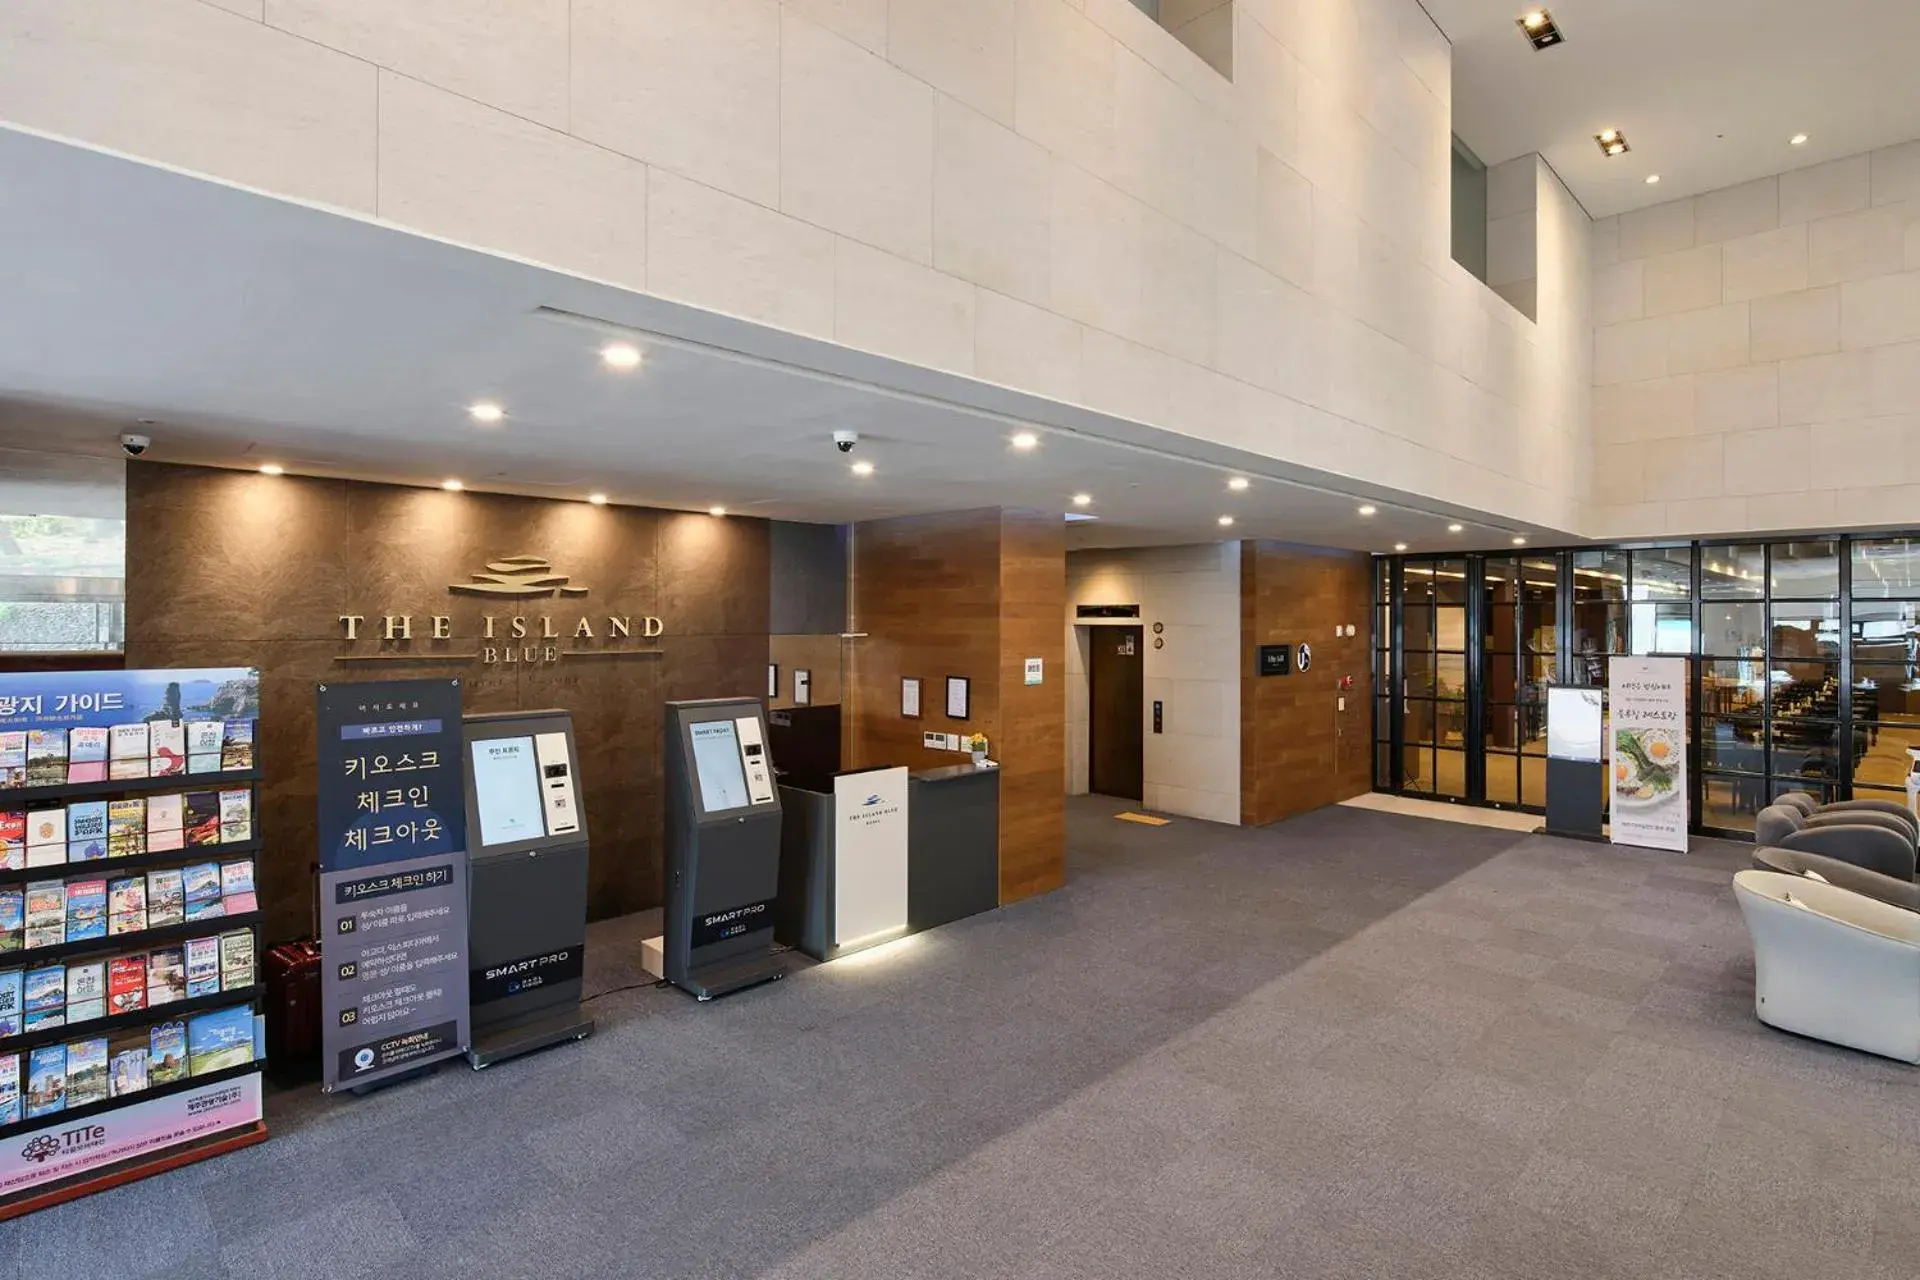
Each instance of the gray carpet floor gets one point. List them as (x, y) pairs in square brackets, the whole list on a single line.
[(1352, 1045)]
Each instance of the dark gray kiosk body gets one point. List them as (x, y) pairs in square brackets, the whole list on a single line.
[(723, 847), (527, 883)]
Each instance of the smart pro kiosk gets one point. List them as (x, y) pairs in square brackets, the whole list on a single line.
[(723, 847), (527, 884)]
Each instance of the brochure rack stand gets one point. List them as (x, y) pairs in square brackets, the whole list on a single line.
[(148, 1061)]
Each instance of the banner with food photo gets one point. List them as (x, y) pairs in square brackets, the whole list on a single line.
[(1647, 752)]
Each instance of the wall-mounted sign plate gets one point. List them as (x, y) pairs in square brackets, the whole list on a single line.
[(1276, 659)]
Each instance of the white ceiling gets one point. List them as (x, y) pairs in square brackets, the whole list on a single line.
[(254, 330), (1706, 91)]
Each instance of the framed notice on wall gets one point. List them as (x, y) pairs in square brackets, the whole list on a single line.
[(773, 680), (802, 687), (909, 698), (958, 697)]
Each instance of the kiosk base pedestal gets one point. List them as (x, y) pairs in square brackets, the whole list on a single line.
[(497, 1044), (723, 977)]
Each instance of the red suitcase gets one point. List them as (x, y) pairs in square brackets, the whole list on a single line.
[(293, 1006)]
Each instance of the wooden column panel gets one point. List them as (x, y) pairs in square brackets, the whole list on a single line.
[(1297, 750), (974, 594)]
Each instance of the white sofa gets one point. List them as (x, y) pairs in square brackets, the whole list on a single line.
[(1833, 964)]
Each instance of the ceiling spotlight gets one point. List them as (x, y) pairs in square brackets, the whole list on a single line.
[(1652, 178), (1238, 484), (1399, 546), (620, 355), (486, 411), (272, 469), (1225, 521), (716, 512), (1519, 542), (1082, 499), (1539, 28), (452, 486), (1797, 140), (1025, 440), (1368, 510), (1455, 528), (597, 499), (863, 468), (1612, 142)]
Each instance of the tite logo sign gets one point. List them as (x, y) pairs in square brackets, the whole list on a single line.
[(511, 638), (47, 1146)]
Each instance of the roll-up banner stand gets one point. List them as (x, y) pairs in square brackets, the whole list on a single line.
[(393, 879), (1647, 752)]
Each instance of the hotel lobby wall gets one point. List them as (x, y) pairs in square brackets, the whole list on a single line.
[(1191, 667), (973, 594), (233, 568), (1066, 202)]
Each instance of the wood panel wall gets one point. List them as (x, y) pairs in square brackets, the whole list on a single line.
[(819, 656), (236, 569), (1032, 738), (1297, 750), (968, 593)]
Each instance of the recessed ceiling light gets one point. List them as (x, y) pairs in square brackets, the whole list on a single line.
[(1025, 440), (1652, 178), (620, 355), (1238, 484), (1519, 542), (1399, 546), (1612, 142), (1539, 28), (1368, 510), (716, 512), (863, 468), (1455, 528), (1225, 521), (272, 469), (1082, 499), (1797, 140), (597, 499), (452, 486), (486, 411)]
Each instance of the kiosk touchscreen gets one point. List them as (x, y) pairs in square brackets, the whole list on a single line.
[(723, 847), (527, 886)]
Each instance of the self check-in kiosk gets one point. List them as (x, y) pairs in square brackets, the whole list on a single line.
[(723, 847), (527, 883)]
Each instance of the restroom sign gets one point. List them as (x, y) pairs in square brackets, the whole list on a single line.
[(1305, 660), (1035, 670)]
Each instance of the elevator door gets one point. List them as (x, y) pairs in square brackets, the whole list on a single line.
[(1115, 741)]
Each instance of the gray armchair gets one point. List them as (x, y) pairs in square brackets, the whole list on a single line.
[(1871, 841), (1885, 812), (1845, 875)]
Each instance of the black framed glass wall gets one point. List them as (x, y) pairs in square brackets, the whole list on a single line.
[(1803, 664)]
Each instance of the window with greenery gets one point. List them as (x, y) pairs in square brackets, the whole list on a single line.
[(62, 583)]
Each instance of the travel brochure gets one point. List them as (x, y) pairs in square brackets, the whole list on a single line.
[(49, 913), (54, 757), (53, 835), (87, 990), (90, 1069)]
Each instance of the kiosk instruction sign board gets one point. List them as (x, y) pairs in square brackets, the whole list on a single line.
[(393, 878), (1647, 751)]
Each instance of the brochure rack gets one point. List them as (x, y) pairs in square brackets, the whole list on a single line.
[(107, 1119)]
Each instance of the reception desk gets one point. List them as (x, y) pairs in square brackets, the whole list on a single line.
[(953, 844)]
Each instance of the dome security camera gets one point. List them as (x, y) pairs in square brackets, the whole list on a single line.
[(845, 440), (134, 445)]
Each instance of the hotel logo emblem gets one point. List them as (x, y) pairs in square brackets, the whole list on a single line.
[(525, 577)]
